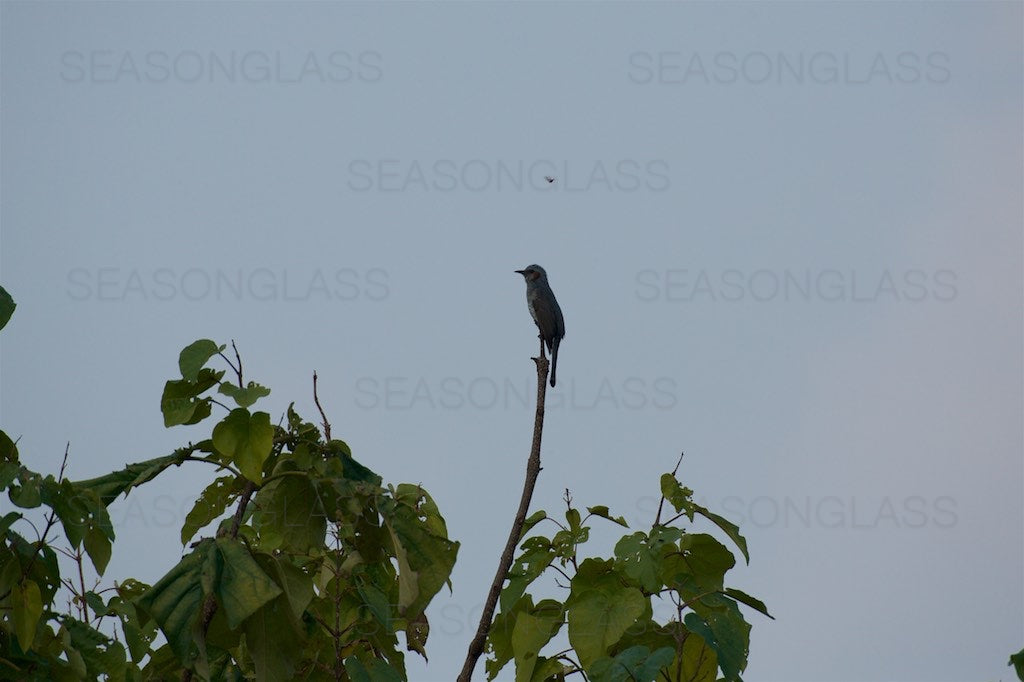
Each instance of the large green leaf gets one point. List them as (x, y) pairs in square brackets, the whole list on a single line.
[(194, 356), (274, 638), (27, 607), (425, 559), (678, 496), (538, 553), (296, 585), (174, 602), (700, 662), (223, 567), (499, 636), (641, 555), (531, 633), (292, 514), (109, 486), (727, 633), (601, 608), (242, 587), (246, 439), (699, 568), (635, 664), (102, 656), (180, 402)]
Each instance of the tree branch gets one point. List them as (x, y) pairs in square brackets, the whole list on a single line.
[(210, 603), (476, 646), (316, 399)]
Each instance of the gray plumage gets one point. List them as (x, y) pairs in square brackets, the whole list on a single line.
[(545, 311)]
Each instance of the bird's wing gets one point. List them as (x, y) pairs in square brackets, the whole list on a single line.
[(548, 317)]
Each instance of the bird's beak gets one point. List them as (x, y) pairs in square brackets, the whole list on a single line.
[(521, 272)]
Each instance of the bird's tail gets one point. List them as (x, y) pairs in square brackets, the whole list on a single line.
[(554, 360)]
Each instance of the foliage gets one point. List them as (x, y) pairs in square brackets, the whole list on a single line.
[(609, 607), (1017, 661), (315, 568)]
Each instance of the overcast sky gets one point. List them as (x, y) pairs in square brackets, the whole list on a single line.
[(786, 238)]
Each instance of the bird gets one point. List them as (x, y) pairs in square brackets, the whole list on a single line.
[(545, 311)]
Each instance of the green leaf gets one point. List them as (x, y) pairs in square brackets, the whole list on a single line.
[(246, 439), (28, 495), (174, 602), (138, 635), (538, 553), (376, 603), (8, 454), (549, 670), (109, 486), (603, 512), (371, 670), (745, 598), (27, 606), (601, 608), (99, 654), (194, 356), (296, 585), (425, 559), (639, 562), (180, 402), (95, 602), (1017, 661), (499, 636), (531, 521), (700, 567), (635, 664), (290, 509), (415, 496), (274, 638), (572, 516), (8, 520), (700, 662), (243, 587), (244, 397), (727, 633), (211, 504), (678, 496), (730, 528), (7, 306), (531, 632), (97, 546)]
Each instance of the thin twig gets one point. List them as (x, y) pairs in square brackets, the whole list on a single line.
[(476, 646), (239, 358), (679, 461), (316, 399)]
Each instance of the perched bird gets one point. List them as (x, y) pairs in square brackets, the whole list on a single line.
[(545, 311)]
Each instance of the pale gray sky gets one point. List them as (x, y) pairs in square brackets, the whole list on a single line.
[(786, 238)]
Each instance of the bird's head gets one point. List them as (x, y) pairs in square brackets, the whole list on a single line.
[(532, 273)]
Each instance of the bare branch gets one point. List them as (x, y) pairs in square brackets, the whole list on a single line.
[(476, 646)]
